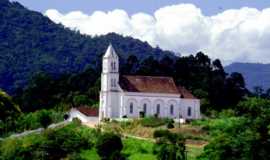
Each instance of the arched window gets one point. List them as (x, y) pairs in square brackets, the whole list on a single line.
[(158, 108), (189, 111), (171, 109), (113, 66), (113, 82), (144, 107), (131, 108)]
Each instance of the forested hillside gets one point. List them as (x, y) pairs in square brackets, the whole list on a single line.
[(31, 43), (43, 64)]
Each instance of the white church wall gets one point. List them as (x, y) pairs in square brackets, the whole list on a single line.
[(194, 105), (152, 100), (145, 102), (114, 103), (175, 108)]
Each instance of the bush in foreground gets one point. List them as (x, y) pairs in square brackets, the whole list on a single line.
[(154, 121), (109, 146), (52, 144), (169, 146)]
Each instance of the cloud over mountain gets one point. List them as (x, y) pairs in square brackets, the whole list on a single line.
[(232, 35)]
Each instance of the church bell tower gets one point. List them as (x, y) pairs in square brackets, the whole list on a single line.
[(109, 94)]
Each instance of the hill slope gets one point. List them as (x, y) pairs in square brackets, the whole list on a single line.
[(31, 43), (255, 74)]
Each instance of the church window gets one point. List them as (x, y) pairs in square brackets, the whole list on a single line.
[(131, 108), (171, 109), (111, 82), (189, 111), (144, 107), (113, 66), (114, 82), (158, 108)]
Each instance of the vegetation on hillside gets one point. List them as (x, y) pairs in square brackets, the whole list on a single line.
[(34, 50), (31, 43)]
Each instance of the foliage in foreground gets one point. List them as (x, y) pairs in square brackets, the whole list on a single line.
[(154, 121), (51, 144), (30, 121), (109, 146), (169, 146), (245, 137)]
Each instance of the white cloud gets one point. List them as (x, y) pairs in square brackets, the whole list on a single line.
[(233, 35)]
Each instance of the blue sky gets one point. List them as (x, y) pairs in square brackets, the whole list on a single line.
[(208, 7)]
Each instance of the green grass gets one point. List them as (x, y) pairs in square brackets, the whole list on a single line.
[(89, 155), (135, 149), (138, 149), (193, 152)]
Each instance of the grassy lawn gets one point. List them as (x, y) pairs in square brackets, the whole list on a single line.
[(136, 149), (135, 128), (193, 152)]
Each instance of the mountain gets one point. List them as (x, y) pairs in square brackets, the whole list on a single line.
[(255, 74), (32, 43)]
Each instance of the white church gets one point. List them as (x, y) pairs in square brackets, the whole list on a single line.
[(129, 95)]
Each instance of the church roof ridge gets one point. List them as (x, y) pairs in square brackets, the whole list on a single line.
[(149, 84)]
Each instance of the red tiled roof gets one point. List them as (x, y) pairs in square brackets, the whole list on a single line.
[(149, 84), (88, 111), (185, 93)]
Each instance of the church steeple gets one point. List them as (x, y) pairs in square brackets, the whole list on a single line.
[(110, 53), (110, 70)]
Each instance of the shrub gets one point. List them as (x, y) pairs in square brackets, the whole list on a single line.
[(161, 133), (153, 121), (68, 140), (77, 121), (45, 119), (170, 125), (142, 114), (109, 146), (52, 144), (106, 120), (169, 146)]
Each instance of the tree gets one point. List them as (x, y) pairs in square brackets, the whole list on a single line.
[(247, 137), (109, 146), (169, 146), (258, 91), (7, 107), (82, 100), (131, 65), (45, 118)]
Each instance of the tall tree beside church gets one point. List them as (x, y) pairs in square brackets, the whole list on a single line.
[(131, 65)]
